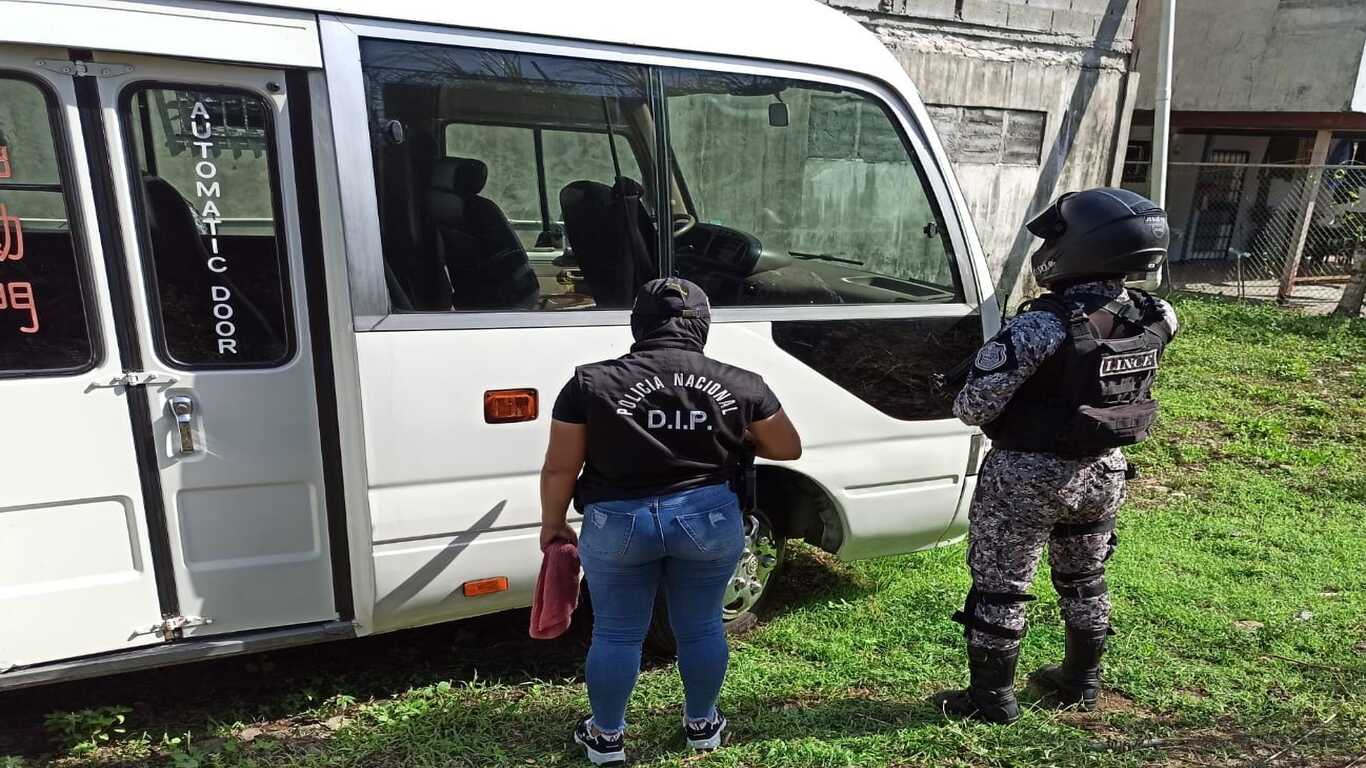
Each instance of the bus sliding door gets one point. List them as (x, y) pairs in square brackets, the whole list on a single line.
[(201, 162), (76, 563)]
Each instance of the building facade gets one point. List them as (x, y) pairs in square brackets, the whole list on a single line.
[(1268, 152)]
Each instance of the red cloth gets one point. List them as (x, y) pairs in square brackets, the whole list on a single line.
[(557, 591)]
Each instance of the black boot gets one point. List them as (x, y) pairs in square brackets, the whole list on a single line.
[(990, 696), (1076, 681)]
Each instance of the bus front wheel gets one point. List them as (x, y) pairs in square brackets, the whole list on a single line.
[(750, 588)]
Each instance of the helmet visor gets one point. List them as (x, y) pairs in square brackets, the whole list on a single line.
[(1049, 225)]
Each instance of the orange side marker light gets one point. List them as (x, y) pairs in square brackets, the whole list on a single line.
[(480, 587), (507, 406)]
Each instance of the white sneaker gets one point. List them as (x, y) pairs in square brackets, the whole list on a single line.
[(705, 735), (601, 748)]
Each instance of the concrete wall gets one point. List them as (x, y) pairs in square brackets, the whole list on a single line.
[(980, 63), (1260, 55)]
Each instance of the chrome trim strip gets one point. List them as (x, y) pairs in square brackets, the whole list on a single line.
[(444, 321), (194, 649), (351, 139), (839, 312), (450, 321)]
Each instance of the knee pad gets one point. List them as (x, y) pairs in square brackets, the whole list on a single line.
[(968, 616), (1078, 586), (1071, 530)]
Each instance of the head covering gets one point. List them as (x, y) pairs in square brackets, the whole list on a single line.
[(1096, 234), (670, 313)]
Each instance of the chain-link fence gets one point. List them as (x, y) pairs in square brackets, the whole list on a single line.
[(1287, 232)]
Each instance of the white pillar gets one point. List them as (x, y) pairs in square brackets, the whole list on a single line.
[(1162, 105), (1162, 125)]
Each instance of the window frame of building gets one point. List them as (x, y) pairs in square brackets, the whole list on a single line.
[(370, 306), (1138, 161)]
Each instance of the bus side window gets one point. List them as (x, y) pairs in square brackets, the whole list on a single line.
[(509, 151), (205, 165), (44, 327), (812, 191), (526, 183), (509, 181)]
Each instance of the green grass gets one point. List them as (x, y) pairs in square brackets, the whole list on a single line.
[(1239, 585)]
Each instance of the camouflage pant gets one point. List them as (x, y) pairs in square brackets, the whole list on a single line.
[(1024, 500)]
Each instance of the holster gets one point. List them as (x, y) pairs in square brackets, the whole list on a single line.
[(744, 481)]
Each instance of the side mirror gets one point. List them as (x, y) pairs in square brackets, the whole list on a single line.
[(778, 116)]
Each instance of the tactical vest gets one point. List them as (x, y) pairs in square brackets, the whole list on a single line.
[(1095, 392), (662, 421)]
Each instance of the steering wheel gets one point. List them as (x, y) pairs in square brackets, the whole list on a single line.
[(683, 222)]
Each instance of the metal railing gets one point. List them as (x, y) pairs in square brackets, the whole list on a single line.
[(1273, 232)]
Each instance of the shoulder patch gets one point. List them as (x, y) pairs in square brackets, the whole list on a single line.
[(991, 357)]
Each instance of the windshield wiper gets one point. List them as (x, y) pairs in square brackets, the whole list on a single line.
[(824, 257)]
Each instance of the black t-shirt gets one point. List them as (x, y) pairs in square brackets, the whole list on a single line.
[(660, 421)]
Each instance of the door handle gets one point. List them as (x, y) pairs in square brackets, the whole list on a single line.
[(182, 408)]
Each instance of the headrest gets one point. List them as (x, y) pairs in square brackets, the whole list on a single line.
[(578, 193), (626, 187), (165, 205), (462, 176)]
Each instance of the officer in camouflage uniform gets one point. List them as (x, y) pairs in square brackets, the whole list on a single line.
[(1059, 390)]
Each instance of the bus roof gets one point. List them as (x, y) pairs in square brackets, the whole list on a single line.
[(793, 31), (283, 32)]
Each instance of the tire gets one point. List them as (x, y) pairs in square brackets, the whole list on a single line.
[(742, 606)]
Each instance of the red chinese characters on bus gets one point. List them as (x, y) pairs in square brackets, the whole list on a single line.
[(19, 296), (16, 295), (12, 240)]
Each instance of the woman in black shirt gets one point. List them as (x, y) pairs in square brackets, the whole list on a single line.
[(656, 434)]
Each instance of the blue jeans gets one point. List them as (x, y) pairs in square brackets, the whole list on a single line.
[(691, 542)]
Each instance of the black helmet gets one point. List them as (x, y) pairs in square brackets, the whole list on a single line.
[(1101, 232)]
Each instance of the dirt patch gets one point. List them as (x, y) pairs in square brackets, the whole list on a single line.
[(811, 575), (1097, 722), (803, 701), (1223, 745)]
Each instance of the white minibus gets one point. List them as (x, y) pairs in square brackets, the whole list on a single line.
[(285, 287)]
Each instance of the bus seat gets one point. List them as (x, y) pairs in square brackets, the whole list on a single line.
[(612, 238), (415, 274), (175, 232), (487, 264), (179, 253)]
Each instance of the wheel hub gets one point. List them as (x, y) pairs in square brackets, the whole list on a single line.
[(756, 566)]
